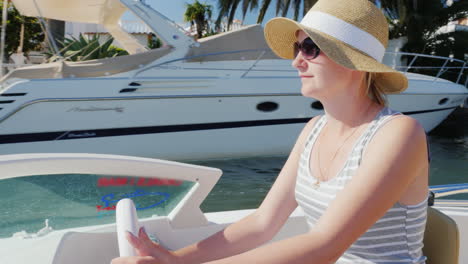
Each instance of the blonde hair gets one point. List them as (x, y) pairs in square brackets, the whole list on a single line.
[(374, 90)]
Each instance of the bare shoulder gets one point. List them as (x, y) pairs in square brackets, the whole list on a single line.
[(401, 136), (310, 124), (312, 121), (400, 140), (301, 141), (401, 144), (404, 124), (307, 129), (401, 129)]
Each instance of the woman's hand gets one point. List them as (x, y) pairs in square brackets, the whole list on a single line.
[(148, 251)]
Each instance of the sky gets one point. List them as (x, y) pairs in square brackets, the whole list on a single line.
[(175, 9)]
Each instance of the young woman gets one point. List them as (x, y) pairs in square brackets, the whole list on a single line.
[(359, 172)]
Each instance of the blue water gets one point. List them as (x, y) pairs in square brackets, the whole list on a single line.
[(245, 182), (72, 201)]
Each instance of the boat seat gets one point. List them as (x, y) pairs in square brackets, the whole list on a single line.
[(87, 69), (441, 238)]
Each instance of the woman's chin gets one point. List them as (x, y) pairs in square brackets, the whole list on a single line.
[(310, 92)]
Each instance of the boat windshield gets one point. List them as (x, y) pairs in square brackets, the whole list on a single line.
[(77, 200)]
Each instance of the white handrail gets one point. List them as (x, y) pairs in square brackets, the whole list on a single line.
[(450, 189), (442, 69)]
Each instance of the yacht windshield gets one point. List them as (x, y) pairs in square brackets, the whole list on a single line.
[(75, 200)]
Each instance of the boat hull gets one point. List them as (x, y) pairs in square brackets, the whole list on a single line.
[(189, 118), (185, 124)]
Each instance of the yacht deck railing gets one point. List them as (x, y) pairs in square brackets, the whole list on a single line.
[(445, 61), (413, 66)]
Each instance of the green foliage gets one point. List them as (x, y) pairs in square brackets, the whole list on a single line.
[(82, 49), (33, 35), (229, 7), (200, 15), (419, 20), (210, 33), (154, 42)]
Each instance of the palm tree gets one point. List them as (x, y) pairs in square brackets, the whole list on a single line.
[(199, 15), (420, 20), (228, 8)]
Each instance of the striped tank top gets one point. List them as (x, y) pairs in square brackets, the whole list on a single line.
[(397, 237)]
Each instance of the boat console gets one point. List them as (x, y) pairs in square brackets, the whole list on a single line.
[(77, 195)]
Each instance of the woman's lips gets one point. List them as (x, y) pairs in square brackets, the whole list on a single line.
[(306, 76)]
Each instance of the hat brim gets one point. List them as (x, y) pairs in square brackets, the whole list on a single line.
[(280, 34)]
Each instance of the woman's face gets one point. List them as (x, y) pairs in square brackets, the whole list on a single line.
[(321, 77)]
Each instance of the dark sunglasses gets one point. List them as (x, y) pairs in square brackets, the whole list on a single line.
[(308, 48)]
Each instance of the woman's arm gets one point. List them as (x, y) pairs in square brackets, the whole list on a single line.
[(246, 234), (259, 227), (393, 160)]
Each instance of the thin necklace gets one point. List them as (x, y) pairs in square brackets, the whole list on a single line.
[(325, 175)]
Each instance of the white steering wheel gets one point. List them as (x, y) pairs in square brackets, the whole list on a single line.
[(126, 220)]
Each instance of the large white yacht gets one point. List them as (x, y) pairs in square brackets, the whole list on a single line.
[(223, 96)]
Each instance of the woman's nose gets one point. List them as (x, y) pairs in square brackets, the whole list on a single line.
[(299, 62)]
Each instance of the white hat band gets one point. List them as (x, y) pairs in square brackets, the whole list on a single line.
[(346, 32)]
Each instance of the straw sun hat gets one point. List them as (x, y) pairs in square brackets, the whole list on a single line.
[(353, 33)]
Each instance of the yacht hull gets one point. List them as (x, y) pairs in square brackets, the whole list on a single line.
[(262, 117)]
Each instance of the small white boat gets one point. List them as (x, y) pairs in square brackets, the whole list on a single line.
[(224, 96), (75, 195)]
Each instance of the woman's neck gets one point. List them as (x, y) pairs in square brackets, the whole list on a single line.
[(349, 110)]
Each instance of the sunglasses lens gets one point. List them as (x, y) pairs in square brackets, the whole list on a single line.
[(308, 49)]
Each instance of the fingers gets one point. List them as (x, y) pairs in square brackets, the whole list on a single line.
[(145, 247), (143, 244), (139, 241), (133, 240), (140, 245), (144, 236)]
